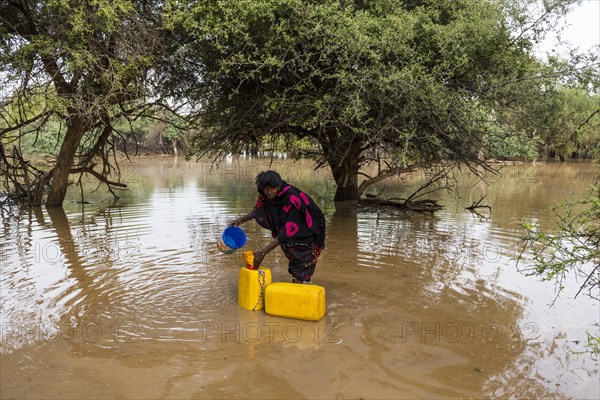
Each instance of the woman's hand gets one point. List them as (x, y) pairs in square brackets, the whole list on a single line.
[(240, 220), (259, 256)]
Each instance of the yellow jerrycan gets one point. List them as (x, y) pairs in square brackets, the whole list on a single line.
[(252, 283), (295, 300)]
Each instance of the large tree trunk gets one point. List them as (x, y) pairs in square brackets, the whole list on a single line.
[(64, 163), (344, 164), (346, 179)]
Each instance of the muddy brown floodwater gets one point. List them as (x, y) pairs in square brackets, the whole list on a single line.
[(132, 299)]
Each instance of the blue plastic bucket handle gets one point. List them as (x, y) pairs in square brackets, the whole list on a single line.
[(234, 237)]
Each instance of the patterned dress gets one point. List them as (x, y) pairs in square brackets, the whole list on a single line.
[(299, 225)]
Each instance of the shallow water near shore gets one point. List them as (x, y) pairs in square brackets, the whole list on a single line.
[(132, 298)]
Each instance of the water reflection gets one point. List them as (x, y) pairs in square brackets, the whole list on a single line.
[(133, 299)]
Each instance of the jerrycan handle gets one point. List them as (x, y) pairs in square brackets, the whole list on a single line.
[(248, 259)]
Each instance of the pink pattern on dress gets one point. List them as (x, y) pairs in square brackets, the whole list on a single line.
[(309, 221), (304, 198), (295, 201), (291, 228), (282, 191)]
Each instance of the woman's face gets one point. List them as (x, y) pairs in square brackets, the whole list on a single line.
[(271, 192)]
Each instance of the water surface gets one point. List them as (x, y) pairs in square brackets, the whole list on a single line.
[(132, 299)]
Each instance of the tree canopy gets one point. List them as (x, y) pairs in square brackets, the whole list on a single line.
[(80, 65), (398, 83)]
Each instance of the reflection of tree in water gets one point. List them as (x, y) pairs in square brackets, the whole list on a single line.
[(113, 297), (17, 291), (50, 300), (88, 299)]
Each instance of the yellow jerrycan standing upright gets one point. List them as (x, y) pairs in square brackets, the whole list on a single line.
[(252, 283)]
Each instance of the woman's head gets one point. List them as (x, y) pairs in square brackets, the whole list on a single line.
[(268, 183)]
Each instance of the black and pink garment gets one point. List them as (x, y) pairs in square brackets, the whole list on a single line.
[(299, 225)]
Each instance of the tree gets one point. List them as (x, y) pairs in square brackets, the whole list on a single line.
[(80, 64), (567, 121), (174, 132), (402, 84)]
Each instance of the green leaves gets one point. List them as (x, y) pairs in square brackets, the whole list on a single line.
[(366, 80), (573, 247), (72, 69)]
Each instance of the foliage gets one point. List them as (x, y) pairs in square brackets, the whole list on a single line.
[(594, 342), (399, 83), (134, 129), (574, 247), (46, 142), (174, 129), (510, 144), (83, 65), (567, 121)]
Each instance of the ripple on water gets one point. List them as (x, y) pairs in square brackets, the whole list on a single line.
[(150, 271), (150, 266)]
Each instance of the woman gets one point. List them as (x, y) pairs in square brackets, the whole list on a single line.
[(296, 223)]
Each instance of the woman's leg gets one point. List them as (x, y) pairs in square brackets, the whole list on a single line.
[(303, 261)]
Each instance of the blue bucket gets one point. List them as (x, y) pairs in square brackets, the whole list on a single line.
[(233, 238)]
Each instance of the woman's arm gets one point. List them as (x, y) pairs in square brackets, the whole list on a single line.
[(260, 255), (241, 219)]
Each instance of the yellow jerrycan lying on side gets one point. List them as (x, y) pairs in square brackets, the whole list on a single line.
[(295, 300)]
